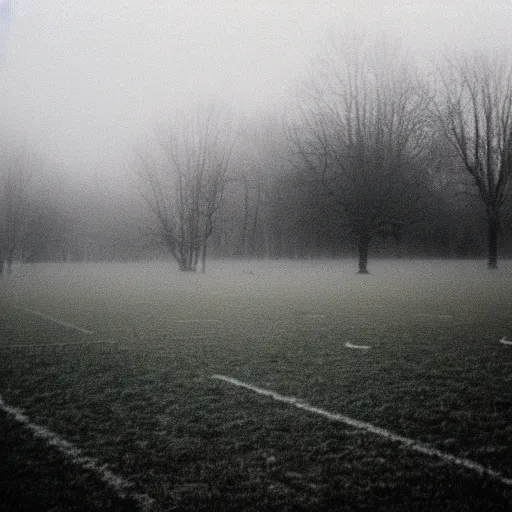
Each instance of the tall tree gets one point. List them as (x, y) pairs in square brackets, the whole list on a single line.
[(15, 172), (361, 140), (254, 188), (475, 113), (183, 183)]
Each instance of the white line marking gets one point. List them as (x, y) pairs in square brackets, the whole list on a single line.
[(123, 488), (426, 315), (504, 341), (23, 345), (65, 324), (407, 442), (360, 347)]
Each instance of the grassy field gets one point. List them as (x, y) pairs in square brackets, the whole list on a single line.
[(133, 390)]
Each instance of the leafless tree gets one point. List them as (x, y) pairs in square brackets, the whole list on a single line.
[(361, 139), (15, 173), (183, 184), (253, 221), (475, 113)]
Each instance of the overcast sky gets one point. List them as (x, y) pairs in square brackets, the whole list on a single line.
[(85, 80)]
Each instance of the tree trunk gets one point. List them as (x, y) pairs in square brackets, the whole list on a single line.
[(10, 257), (196, 257), (364, 243), (255, 222), (203, 257), (492, 239), (242, 250)]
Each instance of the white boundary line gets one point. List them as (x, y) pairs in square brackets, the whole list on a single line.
[(359, 347), (407, 442), (123, 488), (60, 322), (504, 341), (28, 345)]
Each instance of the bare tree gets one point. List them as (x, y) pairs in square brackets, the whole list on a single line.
[(250, 220), (15, 172), (183, 185), (475, 114), (361, 140)]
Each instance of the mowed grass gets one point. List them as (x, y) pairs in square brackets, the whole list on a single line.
[(145, 403)]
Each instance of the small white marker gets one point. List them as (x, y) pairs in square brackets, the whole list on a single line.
[(504, 341), (358, 347)]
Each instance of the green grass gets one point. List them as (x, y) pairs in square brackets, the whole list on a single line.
[(146, 405)]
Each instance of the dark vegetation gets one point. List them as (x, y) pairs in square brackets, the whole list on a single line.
[(373, 158)]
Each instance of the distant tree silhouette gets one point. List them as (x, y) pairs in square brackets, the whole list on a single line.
[(474, 110), (15, 173), (362, 140), (183, 183)]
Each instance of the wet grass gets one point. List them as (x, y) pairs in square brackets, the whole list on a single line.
[(145, 403)]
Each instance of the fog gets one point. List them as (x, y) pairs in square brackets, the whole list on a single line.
[(87, 87), (86, 82)]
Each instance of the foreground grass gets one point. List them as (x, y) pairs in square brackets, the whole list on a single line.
[(147, 405)]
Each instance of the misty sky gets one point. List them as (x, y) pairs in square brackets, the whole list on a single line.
[(86, 81)]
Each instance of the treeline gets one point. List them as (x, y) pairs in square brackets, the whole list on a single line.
[(372, 157)]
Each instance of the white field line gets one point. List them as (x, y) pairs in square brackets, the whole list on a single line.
[(426, 315), (407, 442), (60, 322), (28, 345), (504, 341), (359, 347), (123, 488)]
